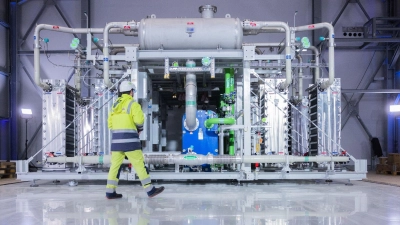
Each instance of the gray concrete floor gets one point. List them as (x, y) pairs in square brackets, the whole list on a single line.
[(267, 203)]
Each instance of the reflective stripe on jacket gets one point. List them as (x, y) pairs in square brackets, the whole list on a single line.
[(124, 121)]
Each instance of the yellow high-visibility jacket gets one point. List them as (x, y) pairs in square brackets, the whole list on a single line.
[(125, 121)]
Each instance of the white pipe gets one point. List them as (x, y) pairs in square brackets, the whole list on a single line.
[(292, 159), (56, 28), (106, 63), (78, 77), (331, 38), (316, 70), (269, 44), (256, 25), (194, 159), (265, 30), (300, 87), (191, 101)]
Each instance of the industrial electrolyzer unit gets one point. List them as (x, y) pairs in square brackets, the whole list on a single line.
[(266, 124)]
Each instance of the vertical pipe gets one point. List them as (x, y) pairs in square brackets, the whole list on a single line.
[(246, 113), (191, 97), (232, 132), (300, 87), (232, 88), (316, 57), (331, 46), (78, 76), (106, 53), (221, 141), (231, 142), (259, 25), (229, 88), (207, 11), (36, 56), (227, 82)]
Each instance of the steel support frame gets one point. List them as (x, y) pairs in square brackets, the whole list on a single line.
[(359, 99), (292, 175), (354, 112), (316, 18), (45, 4), (34, 22), (246, 167), (3, 71), (62, 16), (245, 173), (395, 57), (372, 91), (39, 91), (13, 150)]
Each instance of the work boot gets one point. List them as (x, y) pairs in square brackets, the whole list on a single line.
[(113, 195), (155, 191)]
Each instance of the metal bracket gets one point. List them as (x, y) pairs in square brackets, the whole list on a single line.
[(131, 54), (249, 52)]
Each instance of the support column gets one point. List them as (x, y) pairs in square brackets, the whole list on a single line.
[(316, 18), (85, 19), (14, 137), (246, 113)]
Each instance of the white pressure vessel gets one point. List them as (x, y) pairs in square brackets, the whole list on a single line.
[(190, 33)]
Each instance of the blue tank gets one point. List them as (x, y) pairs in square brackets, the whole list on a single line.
[(201, 140)]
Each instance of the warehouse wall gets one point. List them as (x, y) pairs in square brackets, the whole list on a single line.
[(354, 67)]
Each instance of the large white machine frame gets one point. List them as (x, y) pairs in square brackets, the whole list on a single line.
[(245, 124)]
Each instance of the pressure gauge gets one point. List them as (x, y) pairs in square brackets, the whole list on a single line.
[(206, 61)]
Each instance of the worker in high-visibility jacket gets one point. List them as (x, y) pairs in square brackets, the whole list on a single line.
[(126, 122)]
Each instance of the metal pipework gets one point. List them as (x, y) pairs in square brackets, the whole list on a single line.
[(331, 38), (316, 70), (300, 87), (259, 25), (207, 11), (36, 50), (194, 159), (264, 30), (191, 97), (292, 159), (78, 77), (131, 26)]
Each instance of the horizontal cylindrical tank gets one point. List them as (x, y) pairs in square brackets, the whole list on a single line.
[(190, 33)]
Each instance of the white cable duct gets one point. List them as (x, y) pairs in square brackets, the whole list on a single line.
[(260, 25), (133, 26), (195, 159), (316, 70), (36, 50), (331, 47), (191, 101)]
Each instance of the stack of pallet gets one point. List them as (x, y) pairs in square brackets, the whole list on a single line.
[(389, 165), (7, 170)]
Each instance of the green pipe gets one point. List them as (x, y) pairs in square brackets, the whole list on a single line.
[(232, 137), (230, 87), (231, 142), (227, 83), (226, 121), (229, 79)]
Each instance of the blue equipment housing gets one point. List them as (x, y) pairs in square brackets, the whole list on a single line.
[(201, 140)]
